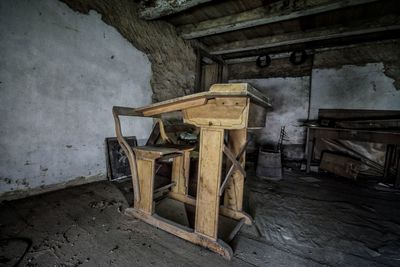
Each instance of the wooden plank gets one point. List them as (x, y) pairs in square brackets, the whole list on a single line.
[(232, 168), (310, 143), (176, 106), (233, 197), (397, 181), (233, 160), (180, 173), (274, 12), (390, 153), (374, 136), (222, 112), (357, 114), (129, 153), (154, 135), (145, 169), (340, 165), (224, 211), (257, 116), (369, 124), (297, 38), (183, 232), (209, 180), (165, 187), (217, 90), (198, 99), (241, 88), (156, 9), (125, 111), (210, 75), (155, 152), (235, 230)]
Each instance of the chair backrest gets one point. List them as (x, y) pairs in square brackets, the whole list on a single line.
[(158, 133)]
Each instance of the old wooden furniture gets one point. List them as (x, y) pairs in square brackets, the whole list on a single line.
[(225, 108), (374, 136)]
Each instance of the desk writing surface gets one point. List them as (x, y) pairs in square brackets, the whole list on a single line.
[(216, 91)]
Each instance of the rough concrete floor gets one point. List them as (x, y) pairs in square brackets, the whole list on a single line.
[(300, 221)]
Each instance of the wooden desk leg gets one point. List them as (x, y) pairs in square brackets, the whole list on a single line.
[(145, 169), (209, 181), (180, 174), (205, 233), (388, 161), (233, 197), (397, 181)]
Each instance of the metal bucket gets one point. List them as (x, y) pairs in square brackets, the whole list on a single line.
[(269, 164)]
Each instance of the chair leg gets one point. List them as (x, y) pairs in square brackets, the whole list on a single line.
[(180, 174)]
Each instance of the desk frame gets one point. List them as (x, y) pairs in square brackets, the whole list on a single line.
[(225, 107)]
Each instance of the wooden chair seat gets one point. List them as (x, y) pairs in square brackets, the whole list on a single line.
[(161, 151)]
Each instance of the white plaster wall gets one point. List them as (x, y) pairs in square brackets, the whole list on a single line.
[(353, 87), (289, 98), (60, 74)]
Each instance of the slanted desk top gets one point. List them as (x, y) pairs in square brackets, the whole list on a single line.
[(228, 106)]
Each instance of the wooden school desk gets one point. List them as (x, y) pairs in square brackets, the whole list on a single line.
[(225, 108)]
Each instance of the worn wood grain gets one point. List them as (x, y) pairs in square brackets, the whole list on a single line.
[(209, 179), (233, 198), (146, 183)]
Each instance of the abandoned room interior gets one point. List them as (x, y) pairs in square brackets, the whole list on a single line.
[(200, 133)]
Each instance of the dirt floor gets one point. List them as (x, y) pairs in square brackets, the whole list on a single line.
[(299, 221)]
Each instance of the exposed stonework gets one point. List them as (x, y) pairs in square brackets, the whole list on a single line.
[(385, 52), (173, 60)]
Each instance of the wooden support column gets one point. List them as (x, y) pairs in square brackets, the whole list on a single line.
[(145, 169), (309, 148), (209, 181), (180, 173), (233, 197)]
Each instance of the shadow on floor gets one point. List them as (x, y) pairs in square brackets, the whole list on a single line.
[(299, 221)]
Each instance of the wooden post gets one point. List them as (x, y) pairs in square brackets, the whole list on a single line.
[(309, 147), (209, 181), (233, 198)]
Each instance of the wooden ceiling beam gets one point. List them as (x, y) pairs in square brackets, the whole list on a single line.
[(155, 9), (275, 12), (298, 38)]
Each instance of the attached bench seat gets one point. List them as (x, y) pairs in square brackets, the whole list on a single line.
[(160, 151)]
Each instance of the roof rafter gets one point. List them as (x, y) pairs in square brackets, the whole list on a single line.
[(277, 12), (155, 9), (298, 38)]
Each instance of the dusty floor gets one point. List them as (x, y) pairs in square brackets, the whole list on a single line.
[(300, 221)]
